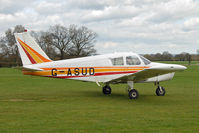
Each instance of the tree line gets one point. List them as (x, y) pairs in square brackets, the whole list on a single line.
[(58, 42), (166, 56)]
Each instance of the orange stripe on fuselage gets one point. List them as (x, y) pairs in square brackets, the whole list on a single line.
[(64, 71)]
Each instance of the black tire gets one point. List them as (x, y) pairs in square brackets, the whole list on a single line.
[(160, 92), (106, 90), (133, 94)]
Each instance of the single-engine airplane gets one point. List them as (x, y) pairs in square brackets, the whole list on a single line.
[(125, 67)]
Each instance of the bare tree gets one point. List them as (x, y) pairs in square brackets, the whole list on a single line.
[(58, 41), (166, 56), (82, 41), (44, 39), (158, 56), (3, 51), (60, 38), (3, 47), (198, 52), (68, 42), (72, 41), (8, 44), (188, 58)]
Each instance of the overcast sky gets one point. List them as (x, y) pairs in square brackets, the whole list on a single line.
[(141, 26)]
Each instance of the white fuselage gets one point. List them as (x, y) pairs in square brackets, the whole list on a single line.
[(101, 68)]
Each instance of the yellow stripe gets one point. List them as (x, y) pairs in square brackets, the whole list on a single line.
[(34, 56), (49, 72)]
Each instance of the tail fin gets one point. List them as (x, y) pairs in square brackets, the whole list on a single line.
[(29, 50)]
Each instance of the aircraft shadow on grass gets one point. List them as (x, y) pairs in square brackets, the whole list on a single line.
[(145, 98)]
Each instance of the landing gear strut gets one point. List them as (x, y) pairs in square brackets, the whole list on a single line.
[(133, 93), (160, 91), (106, 90)]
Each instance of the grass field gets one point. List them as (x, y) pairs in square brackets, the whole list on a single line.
[(37, 104)]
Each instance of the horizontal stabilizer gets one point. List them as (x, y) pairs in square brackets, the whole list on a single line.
[(29, 68)]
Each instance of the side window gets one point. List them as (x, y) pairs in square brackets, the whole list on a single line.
[(117, 61), (132, 60)]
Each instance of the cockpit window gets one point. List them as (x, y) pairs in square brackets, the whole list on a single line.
[(132, 60), (146, 61), (117, 61)]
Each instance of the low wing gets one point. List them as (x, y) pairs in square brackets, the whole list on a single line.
[(145, 74)]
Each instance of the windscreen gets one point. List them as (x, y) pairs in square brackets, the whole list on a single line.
[(146, 61)]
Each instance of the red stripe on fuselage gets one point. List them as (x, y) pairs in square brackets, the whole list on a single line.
[(111, 73)]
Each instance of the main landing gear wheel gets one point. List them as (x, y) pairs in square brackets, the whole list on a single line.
[(133, 94), (160, 91), (106, 90)]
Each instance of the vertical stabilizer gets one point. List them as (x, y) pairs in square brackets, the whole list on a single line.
[(30, 51)]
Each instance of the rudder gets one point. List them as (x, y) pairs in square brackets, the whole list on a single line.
[(30, 51)]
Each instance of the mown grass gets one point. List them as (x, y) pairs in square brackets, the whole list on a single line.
[(38, 104)]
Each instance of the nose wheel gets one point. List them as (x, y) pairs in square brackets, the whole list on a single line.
[(106, 90)]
